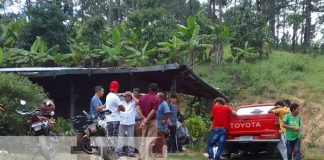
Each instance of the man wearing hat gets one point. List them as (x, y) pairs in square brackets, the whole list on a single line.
[(126, 128), (115, 105)]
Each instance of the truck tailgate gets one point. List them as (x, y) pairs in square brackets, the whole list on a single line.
[(257, 125)]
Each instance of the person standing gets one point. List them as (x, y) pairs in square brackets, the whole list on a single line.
[(96, 104), (286, 103), (220, 114), (172, 146), (126, 127), (163, 120), (293, 125), (281, 110), (148, 105), (115, 105), (138, 119)]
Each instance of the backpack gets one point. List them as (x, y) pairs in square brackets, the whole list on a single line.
[(182, 134)]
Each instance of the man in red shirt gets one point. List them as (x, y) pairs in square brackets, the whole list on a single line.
[(220, 115), (148, 105)]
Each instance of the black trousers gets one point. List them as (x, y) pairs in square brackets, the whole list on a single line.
[(172, 145)]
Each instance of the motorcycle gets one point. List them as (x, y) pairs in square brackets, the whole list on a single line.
[(40, 122), (96, 129)]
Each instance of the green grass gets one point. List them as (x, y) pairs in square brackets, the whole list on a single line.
[(187, 156), (281, 72)]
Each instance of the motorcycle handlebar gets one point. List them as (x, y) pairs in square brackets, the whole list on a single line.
[(99, 114)]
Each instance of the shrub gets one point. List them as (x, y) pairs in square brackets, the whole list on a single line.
[(62, 127), (196, 127), (13, 88)]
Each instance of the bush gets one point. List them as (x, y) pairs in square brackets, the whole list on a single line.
[(13, 88), (62, 127), (196, 127)]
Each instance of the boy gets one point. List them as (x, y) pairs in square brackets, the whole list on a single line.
[(281, 110), (292, 123)]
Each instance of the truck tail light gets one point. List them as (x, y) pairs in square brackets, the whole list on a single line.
[(277, 124)]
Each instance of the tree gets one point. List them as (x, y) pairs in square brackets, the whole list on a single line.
[(150, 25), (46, 21), (295, 20), (13, 88), (91, 31), (247, 26), (308, 25)]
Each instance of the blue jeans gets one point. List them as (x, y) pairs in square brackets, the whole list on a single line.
[(218, 136), (293, 149)]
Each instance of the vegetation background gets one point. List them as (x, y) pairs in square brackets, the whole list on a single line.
[(252, 50)]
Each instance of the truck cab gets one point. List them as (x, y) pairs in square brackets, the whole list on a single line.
[(253, 130)]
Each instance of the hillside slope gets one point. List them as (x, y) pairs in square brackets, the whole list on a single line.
[(284, 75)]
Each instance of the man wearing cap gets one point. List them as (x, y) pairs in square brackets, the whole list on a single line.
[(115, 105), (126, 127), (148, 105)]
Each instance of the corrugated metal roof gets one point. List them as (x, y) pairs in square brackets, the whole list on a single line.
[(189, 82), (34, 69), (56, 71)]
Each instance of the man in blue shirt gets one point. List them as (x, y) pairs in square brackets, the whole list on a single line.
[(163, 119), (96, 104), (172, 146)]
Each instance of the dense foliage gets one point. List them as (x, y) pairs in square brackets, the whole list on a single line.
[(14, 88), (196, 126)]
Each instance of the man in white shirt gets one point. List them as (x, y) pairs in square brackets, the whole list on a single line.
[(115, 105), (126, 127)]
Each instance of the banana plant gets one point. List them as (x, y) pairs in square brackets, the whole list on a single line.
[(246, 53), (219, 36), (173, 48), (39, 55), (112, 50), (43, 54), (192, 41), (139, 57), (11, 32), (81, 55)]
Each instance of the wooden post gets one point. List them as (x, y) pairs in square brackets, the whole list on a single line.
[(173, 89), (72, 105)]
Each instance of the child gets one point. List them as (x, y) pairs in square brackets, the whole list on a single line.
[(292, 123)]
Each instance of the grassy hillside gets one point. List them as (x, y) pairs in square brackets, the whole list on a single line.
[(283, 75), (282, 69)]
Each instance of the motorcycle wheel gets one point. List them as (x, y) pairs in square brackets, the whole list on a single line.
[(86, 145), (108, 153)]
